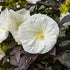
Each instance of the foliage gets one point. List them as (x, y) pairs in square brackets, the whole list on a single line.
[(57, 59)]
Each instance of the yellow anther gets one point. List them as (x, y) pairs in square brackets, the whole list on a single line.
[(4, 28), (40, 36), (17, 27)]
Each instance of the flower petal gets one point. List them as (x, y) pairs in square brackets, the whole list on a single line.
[(4, 21), (17, 18), (24, 12), (3, 35)]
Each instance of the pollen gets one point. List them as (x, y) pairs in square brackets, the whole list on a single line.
[(40, 36), (17, 27), (4, 28)]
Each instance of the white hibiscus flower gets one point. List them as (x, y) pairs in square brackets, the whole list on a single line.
[(2, 54), (17, 18), (38, 34), (10, 21), (4, 21), (33, 1)]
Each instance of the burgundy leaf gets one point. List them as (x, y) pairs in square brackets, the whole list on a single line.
[(67, 60), (67, 64), (16, 53), (46, 4), (24, 52), (26, 60), (57, 19), (28, 6), (53, 51), (48, 68), (11, 45), (11, 68), (4, 60), (51, 1), (13, 61), (64, 43), (65, 19), (17, 68), (59, 57)]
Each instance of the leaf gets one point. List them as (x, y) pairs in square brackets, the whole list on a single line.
[(64, 58), (39, 67), (24, 52), (13, 61), (67, 60), (57, 19), (67, 2), (11, 68), (11, 45), (63, 9), (16, 68), (4, 48), (28, 6), (53, 51), (62, 32), (1, 68), (51, 1), (64, 43), (65, 19), (16, 53), (46, 4), (59, 57), (4, 60), (26, 60), (22, 62), (48, 67)]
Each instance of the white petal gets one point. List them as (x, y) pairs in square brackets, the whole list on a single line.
[(4, 18), (52, 27), (17, 18), (35, 47), (4, 21), (24, 12), (48, 47), (3, 35), (50, 41)]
